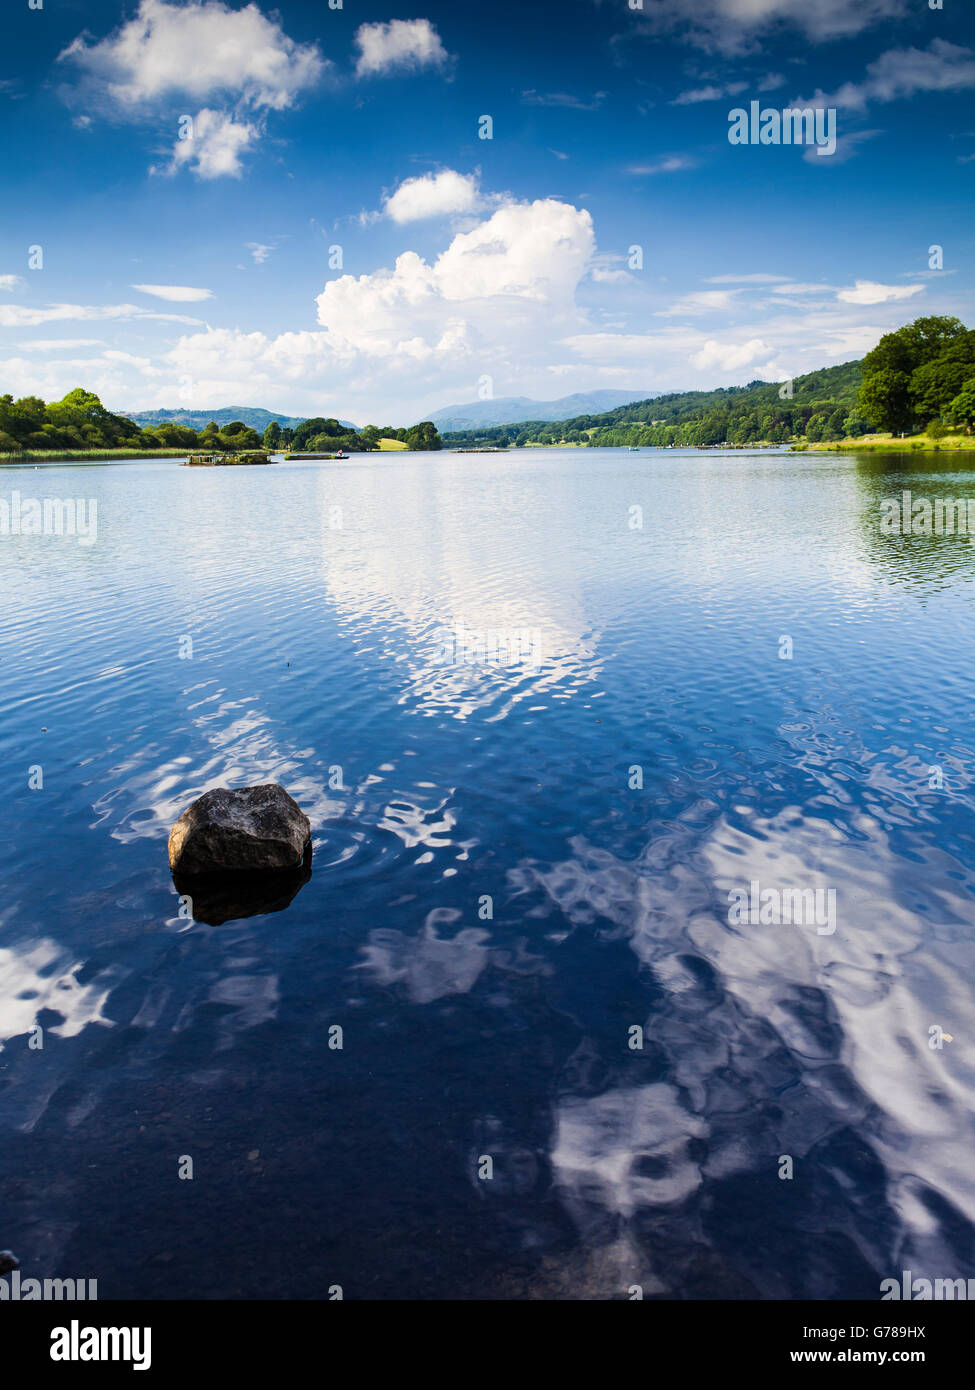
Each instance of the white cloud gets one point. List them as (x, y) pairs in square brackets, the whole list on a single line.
[(606, 275), (736, 26), (197, 50), (113, 381), (801, 287), (400, 44), (757, 279), (258, 251), (568, 101), (217, 143), (129, 359), (59, 344), (10, 282), (699, 94), (433, 195), (700, 302), (502, 284), (846, 147), (491, 302), (22, 316), (903, 72), (672, 164), (179, 294), (868, 292), (729, 357)]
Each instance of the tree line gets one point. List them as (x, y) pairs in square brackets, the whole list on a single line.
[(80, 421), (919, 377)]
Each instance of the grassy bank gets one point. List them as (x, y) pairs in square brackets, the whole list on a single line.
[(66, 455), (893, 444)]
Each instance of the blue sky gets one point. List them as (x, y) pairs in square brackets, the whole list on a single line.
[(202, 271)]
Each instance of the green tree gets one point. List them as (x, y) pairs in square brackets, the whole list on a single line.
[(908, 348), (885, 398), (272, 436), (937, 383), (892, 371), (423, 437), (834, 426), (855, 425), (961, 410)]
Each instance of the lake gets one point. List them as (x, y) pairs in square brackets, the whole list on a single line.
[(637, 952)]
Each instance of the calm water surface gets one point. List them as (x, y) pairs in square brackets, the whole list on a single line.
[(317, 661)]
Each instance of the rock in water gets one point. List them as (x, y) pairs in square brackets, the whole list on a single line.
[(8, 1261), (248, 829)]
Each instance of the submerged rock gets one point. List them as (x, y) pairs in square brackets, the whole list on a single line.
[(248, 830)]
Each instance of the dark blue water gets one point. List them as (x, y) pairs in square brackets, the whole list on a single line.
[(316, 597)]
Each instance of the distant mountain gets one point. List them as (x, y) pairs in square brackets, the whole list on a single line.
[(251, 415), (511, 410)]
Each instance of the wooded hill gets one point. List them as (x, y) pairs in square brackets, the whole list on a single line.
[(731, 414)]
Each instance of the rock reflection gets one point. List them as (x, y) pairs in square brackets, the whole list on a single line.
[(219, 898)]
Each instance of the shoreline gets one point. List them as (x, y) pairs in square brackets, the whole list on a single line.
[(913, 443), (67, 455)]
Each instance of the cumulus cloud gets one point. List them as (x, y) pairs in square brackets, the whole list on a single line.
[(729, 356), (214, 148), (8, 283), (514, 275), (402, 44), (433, 195), (179, 294), (197, 50), (867, 292), (492, 301), (259, 252)]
